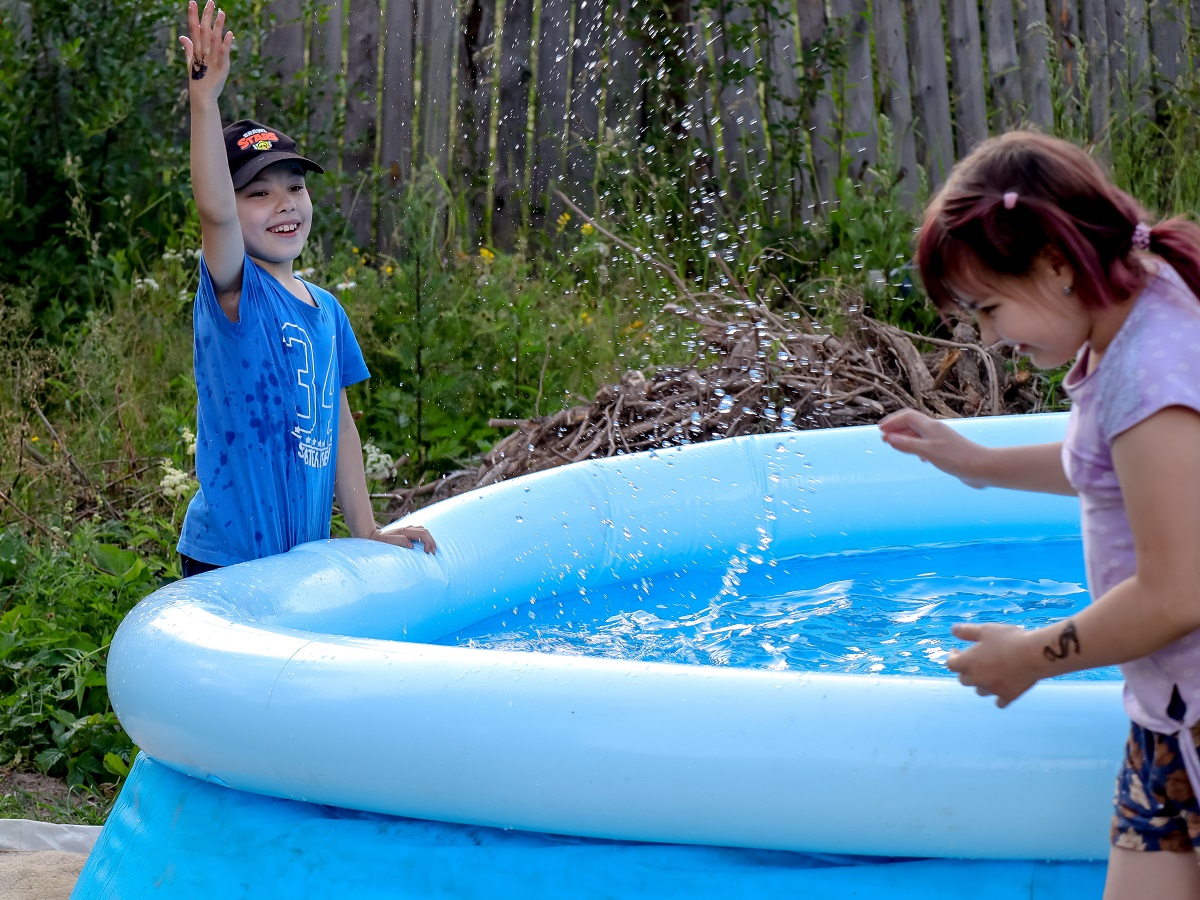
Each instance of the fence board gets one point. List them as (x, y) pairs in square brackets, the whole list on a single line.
[(477, 72), (437, 24), (859, 127), (362, 98), (553, 45), (396, 135), (511, 156), (1065, 23), (620, 108), (895, 91), (327, 60), (1033, 46), (860, 137), (22, 16), (1003, 63), (1094, 41), (583, 128), (966, 68), (782, 126), (282, 50), (927, 51), (324, 110), (1190, 9), (707, 103), (741, 117), (1129, 46), (1168, 43), (823, 154)]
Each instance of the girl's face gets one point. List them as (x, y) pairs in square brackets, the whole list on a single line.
[(1032, 313), (275, 212)]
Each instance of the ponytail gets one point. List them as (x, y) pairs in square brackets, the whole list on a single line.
[(1177, 241)]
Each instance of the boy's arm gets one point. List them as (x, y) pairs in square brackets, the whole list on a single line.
[(350, 486), (208, 66)]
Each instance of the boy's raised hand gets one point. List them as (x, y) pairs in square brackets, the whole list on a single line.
[(207, 50)]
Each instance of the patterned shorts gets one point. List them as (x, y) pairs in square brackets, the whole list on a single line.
[(1156, 808)]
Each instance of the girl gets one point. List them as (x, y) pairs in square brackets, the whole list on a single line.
[(1030, 236)]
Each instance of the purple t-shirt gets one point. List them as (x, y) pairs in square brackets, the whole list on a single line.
[(1152, 363)]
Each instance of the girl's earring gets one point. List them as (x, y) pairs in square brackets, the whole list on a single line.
[(1067, 289)]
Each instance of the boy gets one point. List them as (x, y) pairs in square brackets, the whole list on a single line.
[(274, 354)]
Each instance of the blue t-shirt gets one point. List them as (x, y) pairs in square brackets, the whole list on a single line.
[(269, 395)]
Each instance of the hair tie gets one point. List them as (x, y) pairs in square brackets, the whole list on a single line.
[(1141, 236), (1010, 200)]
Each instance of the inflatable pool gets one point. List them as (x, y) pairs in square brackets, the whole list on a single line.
[(310, 720)]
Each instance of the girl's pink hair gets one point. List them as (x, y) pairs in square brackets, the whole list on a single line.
[(1064, 200)]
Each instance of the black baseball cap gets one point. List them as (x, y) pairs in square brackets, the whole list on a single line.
[(251, 146)]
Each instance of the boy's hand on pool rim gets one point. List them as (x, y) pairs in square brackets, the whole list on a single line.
[(406, 537), (1003, 663)]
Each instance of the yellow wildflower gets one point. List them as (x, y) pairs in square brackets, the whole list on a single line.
[(587, 228), (34, 439), (388, 270), (486, 255), (563, 220)]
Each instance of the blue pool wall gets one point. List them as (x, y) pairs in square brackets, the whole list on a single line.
[(174, 836)]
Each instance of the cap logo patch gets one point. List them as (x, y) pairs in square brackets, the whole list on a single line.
[(257, 139)]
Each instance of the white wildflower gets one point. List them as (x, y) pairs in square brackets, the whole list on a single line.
[(346, 285), (603, 249), (306, 273), (194, 254), (174, 483), (379, 465), (147, 283), (170, 255), (189, 440)]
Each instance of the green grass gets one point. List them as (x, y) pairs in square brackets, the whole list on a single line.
[(50, 800)]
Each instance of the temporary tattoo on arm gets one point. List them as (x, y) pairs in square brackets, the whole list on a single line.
[(1065, 639), (199, 70)]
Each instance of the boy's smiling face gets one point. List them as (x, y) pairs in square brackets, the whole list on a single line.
[(275, 212)]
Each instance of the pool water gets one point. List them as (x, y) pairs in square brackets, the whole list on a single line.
[(882, 612)]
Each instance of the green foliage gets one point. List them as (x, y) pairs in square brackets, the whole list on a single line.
[(86, 114), (58, 619), (94, 179), (455, 339)]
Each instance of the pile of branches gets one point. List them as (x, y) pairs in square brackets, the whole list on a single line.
[(760, 366)]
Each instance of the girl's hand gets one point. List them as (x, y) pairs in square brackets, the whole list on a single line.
[(405, 537), (1002, 664), (207, 51), (935, 442)]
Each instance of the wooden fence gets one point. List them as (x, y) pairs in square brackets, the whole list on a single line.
[(510, 98)]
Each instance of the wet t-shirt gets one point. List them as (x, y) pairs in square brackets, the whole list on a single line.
[(268, 397), (1152, 363)]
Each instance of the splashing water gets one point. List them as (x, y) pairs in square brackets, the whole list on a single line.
[(884, 612)]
